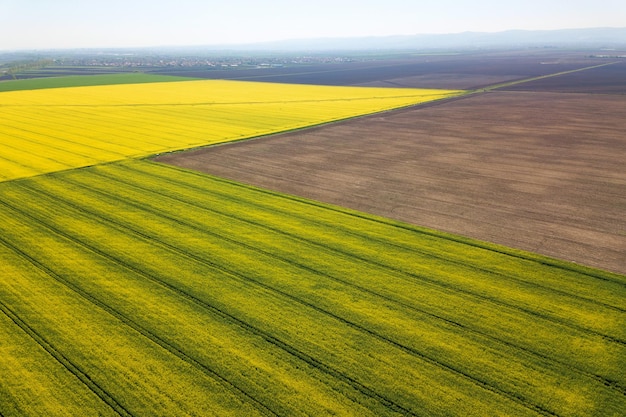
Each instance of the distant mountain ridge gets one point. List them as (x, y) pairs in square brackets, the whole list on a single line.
[(596, 37)]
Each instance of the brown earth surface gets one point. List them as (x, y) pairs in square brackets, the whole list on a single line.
[(543, 172)]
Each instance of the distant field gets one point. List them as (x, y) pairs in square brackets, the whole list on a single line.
[(538, 171), (141, 289), (54, 129), (131, 287), (455, 71), (85, 80), (609, 79)]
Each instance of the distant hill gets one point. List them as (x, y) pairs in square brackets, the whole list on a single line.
[(595, 37)]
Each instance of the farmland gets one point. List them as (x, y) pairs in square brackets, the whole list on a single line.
[(236, 299), (540, 171), (85, 80), (45, 130), (603, 80), (138, 288), (462, 70)]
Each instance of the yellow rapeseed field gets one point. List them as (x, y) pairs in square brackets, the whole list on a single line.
[(55, 129), (137, 288)]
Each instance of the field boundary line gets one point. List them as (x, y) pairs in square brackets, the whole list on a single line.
[(310, 360), (238, 103), (417, 229), (516, 253), (541, 77), (333, 248), (607, 382), (501, 208), (80, 77), (154, 152), (450, 368), (460, 95), (407, 274), (418, 276), (428, 254)]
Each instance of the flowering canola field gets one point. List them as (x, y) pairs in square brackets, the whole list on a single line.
[(49, 130), (132, 288), (138, 289)]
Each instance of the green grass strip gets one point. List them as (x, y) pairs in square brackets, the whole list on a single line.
[(85, 81)]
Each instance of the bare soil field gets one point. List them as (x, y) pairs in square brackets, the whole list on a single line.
[(609, 79), (454, 81), (543, 172), (454, 71)]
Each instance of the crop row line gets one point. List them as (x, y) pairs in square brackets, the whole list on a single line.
[(315, 363), (233, 273), (49, 348), (326, 248), (56, 139), (460, 240), (233, 198), (457, 239), (118, 126), (224, 103), (47, 161), (123, 318), (406, 274), (607, 382), (37, 122), (18, 163)]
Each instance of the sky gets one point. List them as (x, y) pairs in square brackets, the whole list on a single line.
[(52, 24)]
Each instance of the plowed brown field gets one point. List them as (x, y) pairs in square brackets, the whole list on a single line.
[(542, 172), (608, 79)]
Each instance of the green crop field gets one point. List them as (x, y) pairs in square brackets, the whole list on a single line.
[(141, 289), (84, 81), (133, 288)]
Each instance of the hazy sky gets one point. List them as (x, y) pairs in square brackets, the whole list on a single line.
[(40, 24)]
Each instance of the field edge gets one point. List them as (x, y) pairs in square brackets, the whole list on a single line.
[(68, 81), (494, 247)]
